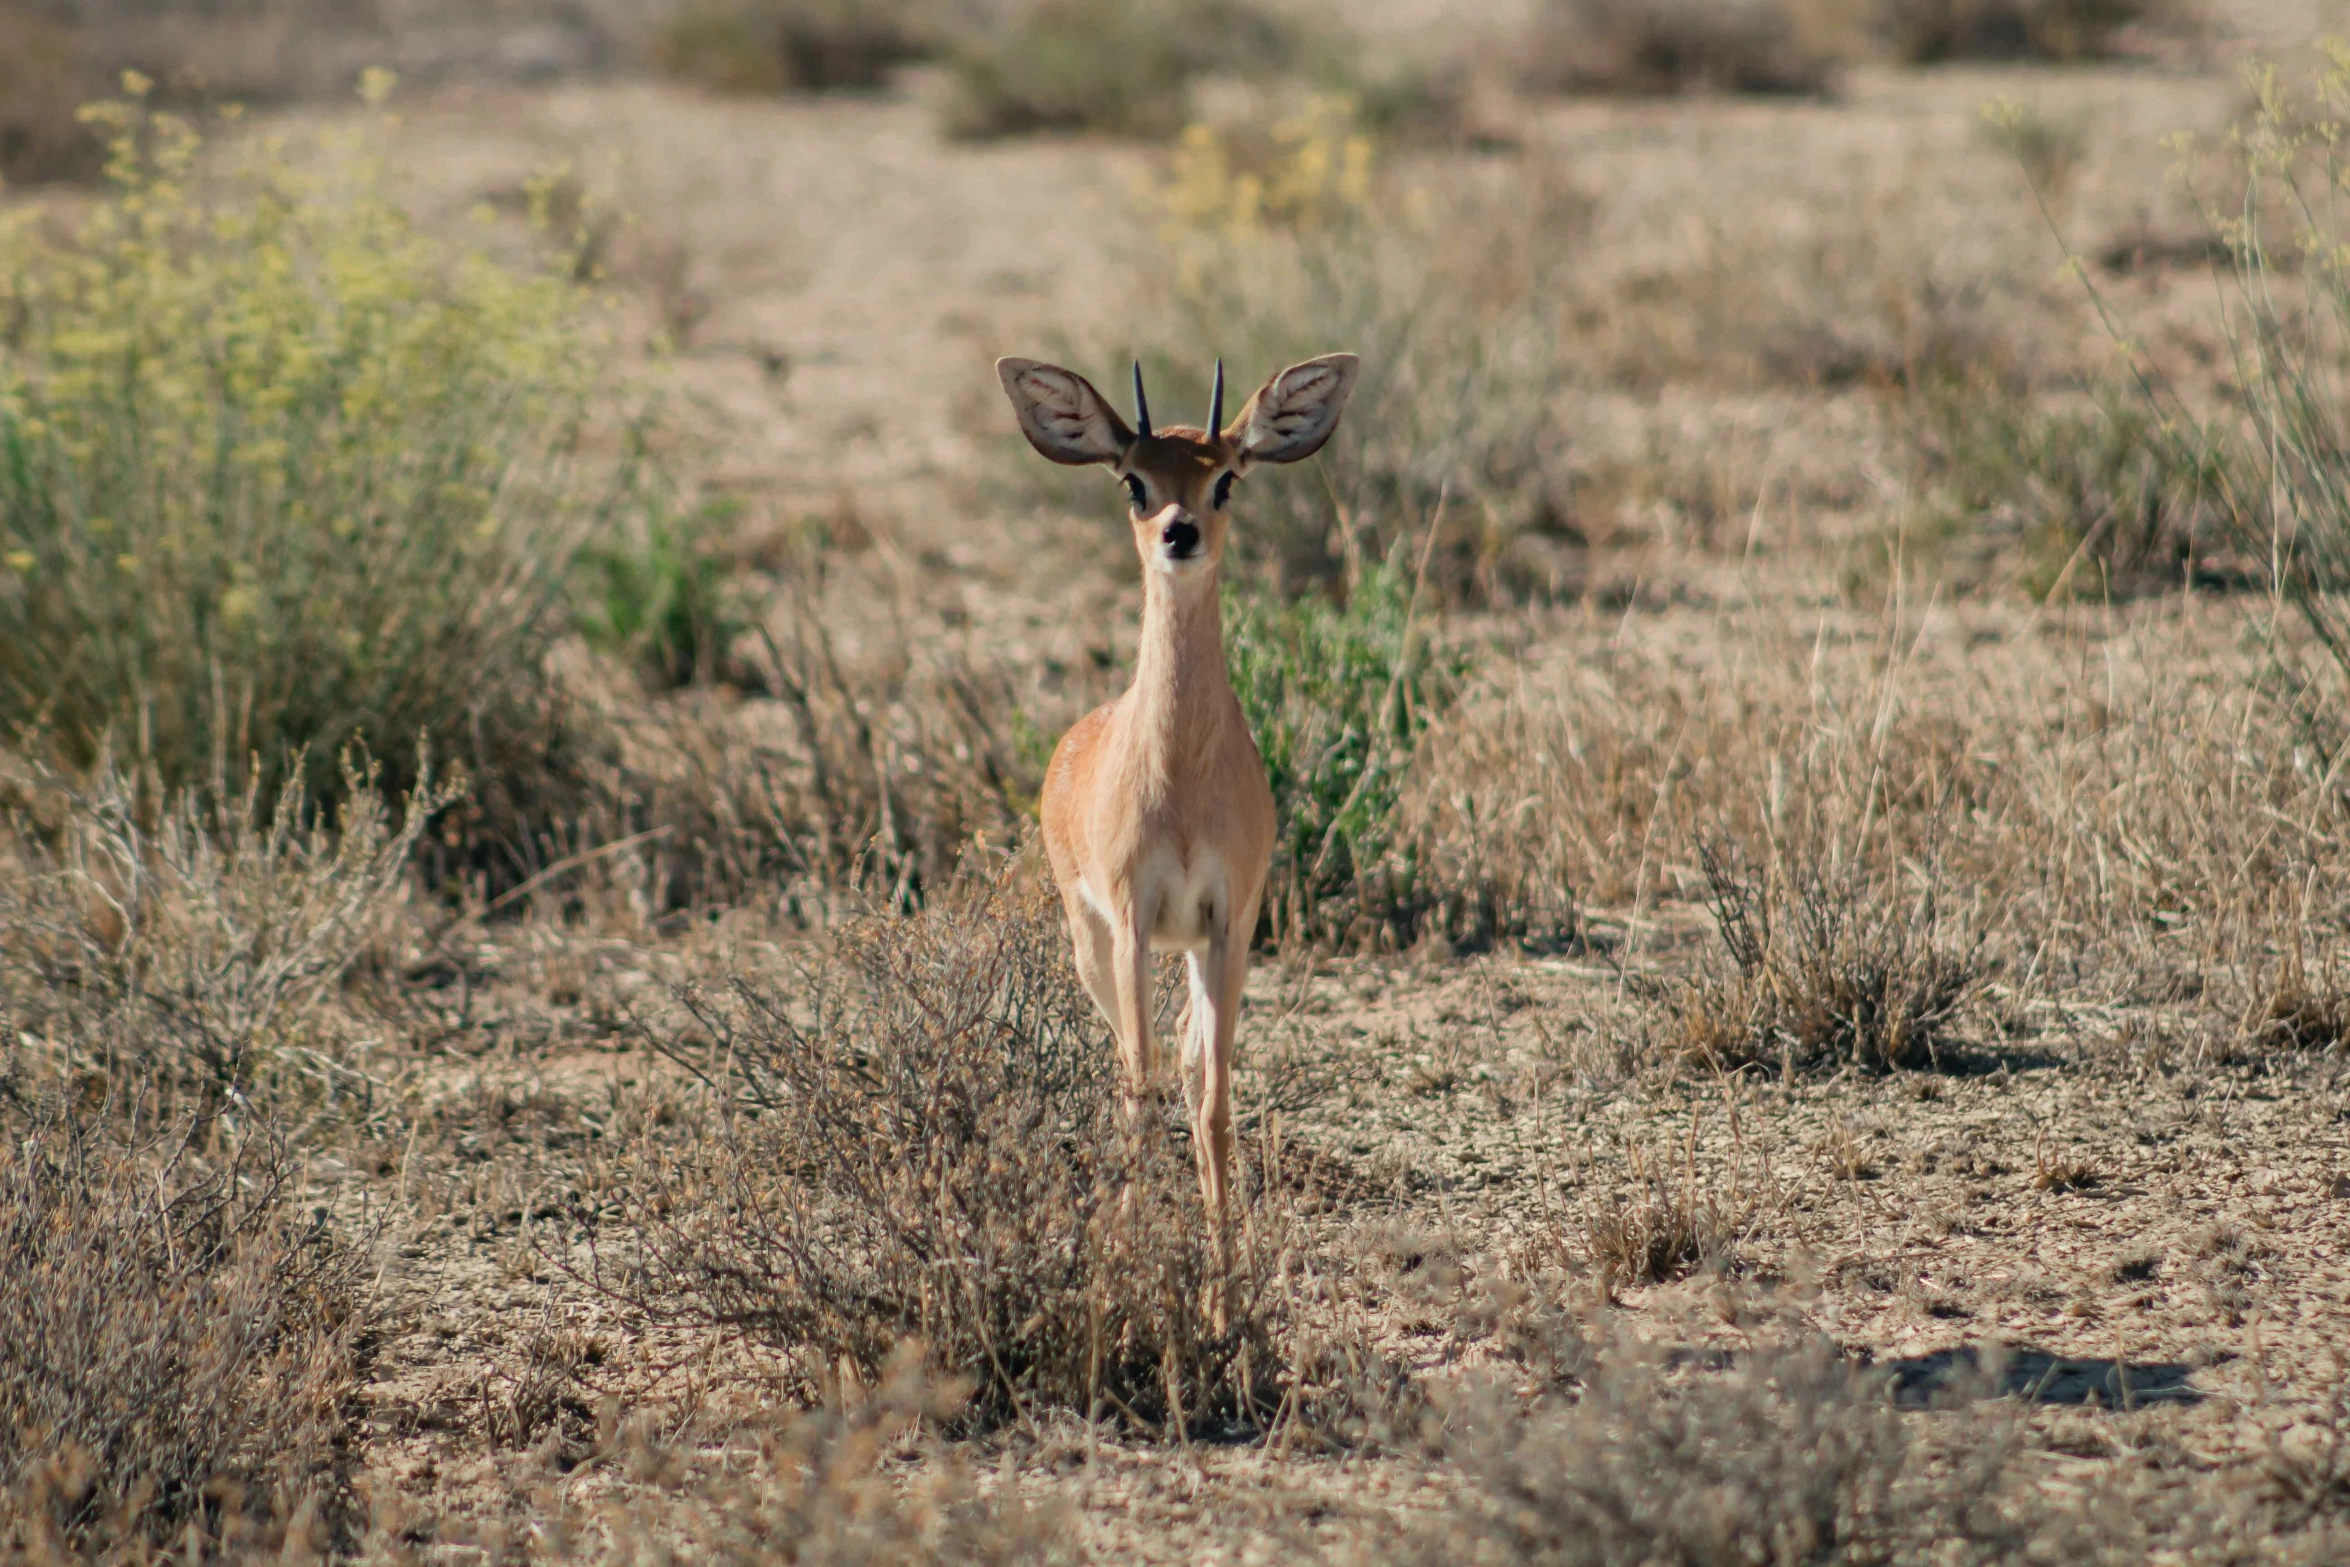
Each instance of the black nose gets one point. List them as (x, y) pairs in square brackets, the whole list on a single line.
[(1181, 539)]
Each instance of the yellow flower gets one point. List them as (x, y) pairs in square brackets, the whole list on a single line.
[(21, 560)]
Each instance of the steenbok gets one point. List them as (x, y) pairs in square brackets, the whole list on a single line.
[(1157, 815)]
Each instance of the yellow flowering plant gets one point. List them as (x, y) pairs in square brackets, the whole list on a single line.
[(280, 474)]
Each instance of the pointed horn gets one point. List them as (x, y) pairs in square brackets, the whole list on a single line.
[(1216, 403), (1142, 408)]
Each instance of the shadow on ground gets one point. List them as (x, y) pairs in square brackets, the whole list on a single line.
[(2035, 1376)]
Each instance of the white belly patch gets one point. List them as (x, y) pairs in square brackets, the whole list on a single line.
[(1187, 905)]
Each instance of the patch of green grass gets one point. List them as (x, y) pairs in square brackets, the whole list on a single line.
[(666, 599), (1338, 696), (281, 476)]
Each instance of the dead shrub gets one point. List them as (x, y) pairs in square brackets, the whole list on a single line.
[(176, 1343), (201, 945), (848, 783), (1791, 1454), (1675, 46), (749, 46), (1830, 968), (42, 86), (919, 1143), (1925, 32)]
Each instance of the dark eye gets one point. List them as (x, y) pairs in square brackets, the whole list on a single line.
[(1135, 489), (1224, 490)]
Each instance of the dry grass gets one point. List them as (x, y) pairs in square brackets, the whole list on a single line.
[(1668, 1227), (1830, 971), (1751, 782), (201, 943)]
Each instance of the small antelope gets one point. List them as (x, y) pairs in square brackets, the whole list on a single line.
[(1157, 815)]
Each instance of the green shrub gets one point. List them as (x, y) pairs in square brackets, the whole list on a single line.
[(786, 45), (666, 599), (280, 475), (1120, 66), (1338, 698)]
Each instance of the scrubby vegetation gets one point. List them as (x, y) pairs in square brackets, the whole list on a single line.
[(281, 475)]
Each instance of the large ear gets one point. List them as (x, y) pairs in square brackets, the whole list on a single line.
[(1062, 415), (1294, 413)]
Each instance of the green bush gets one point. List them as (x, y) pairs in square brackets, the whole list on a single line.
[(1338, 698), (280, 475), (1121, 66), (667, 600)]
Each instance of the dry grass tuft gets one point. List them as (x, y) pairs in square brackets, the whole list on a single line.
[(1675, 46), (2092, 500), (1830, 971), (2302, 1010), (1666, 1229), (176, 1343), (919, 1142)]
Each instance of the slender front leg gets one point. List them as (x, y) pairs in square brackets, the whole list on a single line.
[(1218, 976), (1132, 973)]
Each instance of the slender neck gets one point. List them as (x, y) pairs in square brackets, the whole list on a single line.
[(1180, 668)]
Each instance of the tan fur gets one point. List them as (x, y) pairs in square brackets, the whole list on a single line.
[(1157, 817)]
